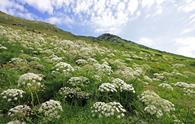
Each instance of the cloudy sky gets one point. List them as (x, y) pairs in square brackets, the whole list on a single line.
[(167, 25)]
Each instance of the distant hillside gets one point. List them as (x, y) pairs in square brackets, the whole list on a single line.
[(35, 26)]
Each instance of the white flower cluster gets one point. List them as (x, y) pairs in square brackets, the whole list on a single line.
[(176, 73), (178, 65), (107, 87), (173, 74), (78, 81), (92, 61), (111, 109), (50, 109), (82, 95), (16, 122), (2, 47), (81, 62), (122, 86), (68, 92), (31, 82), (188, 88), (189, 92), (20, 111), (153, 110), (125, 73), (66, 43), (166, 86), (55, 58), (17, 60), (185, 85), (116, 85), (12, 94), (155, 105), (104, 68), (158, 77), (34, 58), (63, 67)]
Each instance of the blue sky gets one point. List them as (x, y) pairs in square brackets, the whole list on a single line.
[(167, 25)]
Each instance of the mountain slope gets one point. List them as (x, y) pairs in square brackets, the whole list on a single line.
[(103, 79)]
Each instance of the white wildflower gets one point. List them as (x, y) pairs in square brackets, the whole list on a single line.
[(16, 122), (55, 58), (17, 60), (3, 47), (111, 109), (31, 82), (20, 111), (67, 92), (78, 81), (122, 86), (12, 94), (158, 77), (125, 73), (166, 86), (81, 62), (103, 68), (107, 87), (92, 61), (51, 109), (185, 85), (151, 109), (190, 92), (155, 105), (63, 67), (178, 65)]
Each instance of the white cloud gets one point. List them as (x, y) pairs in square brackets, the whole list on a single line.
[(146, 41), (14, 8), (133, 6), (192, 19), (187, 30), (108, 22), (157, 12), (186, 46), (54, 20), (6, 5), (153, 7), (190, 27), (188, 6), (41, 5), (100, 15), (182, 46), (159, 2), (59, 20), (148, 3)]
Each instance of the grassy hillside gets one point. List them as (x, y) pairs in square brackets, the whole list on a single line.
[(51, 76)]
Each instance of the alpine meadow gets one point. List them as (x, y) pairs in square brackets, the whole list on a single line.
[(49, 76)]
